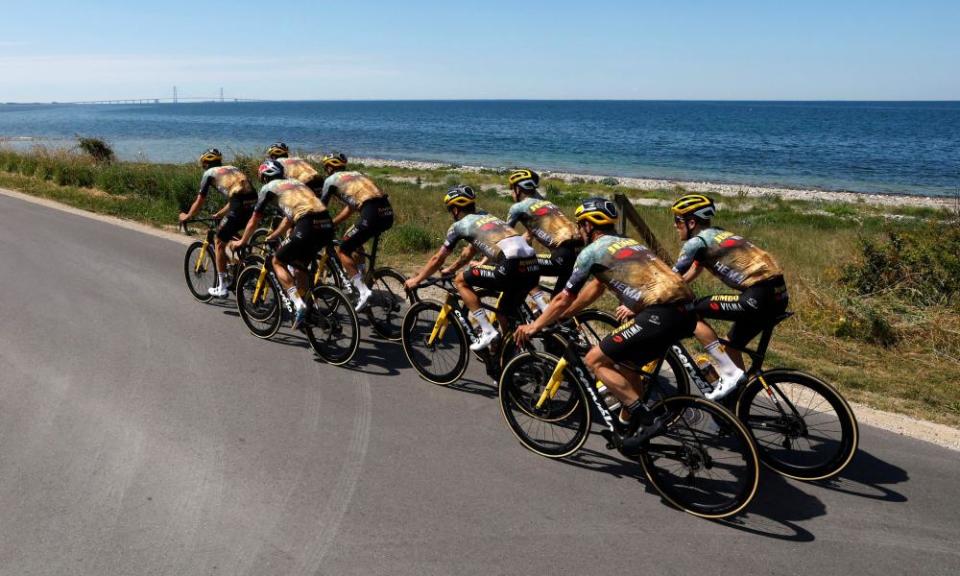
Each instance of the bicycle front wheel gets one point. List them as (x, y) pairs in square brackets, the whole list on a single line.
[(332, 328), (437, 352), (259, 309), (554, 424), (388, 304), (803, 427), (704, 462), (200, 271)]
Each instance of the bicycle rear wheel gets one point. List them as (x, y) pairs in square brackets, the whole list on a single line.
[(556, 428), (200, 271), (332, 328), (261, 314), (704, 462), (810, 434), (388, 304), (440, 361)]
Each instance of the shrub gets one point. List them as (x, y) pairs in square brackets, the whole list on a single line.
[(97, 149), (920, 266), (410, 238), (608, 181)]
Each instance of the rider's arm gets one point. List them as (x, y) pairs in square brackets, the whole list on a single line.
[(689, 255), (465, 255), (587, 296), (556, 309), (280, 231), (432, 265), (691, 274), (223, 211), (342, 215), (194, 209), (205, 184)]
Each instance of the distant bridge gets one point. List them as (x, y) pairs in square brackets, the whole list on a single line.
[(162, 100)]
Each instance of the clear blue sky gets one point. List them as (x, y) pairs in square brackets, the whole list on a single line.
[(811, 49)]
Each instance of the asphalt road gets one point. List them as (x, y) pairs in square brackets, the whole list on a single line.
[(142, 432)]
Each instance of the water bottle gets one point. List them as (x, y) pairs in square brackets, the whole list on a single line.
[(612, 402), (709, 372)]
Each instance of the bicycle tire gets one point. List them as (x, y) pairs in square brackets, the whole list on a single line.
[(560, 431), (688, 462), (332, 329), (199, 282), (777, 435), (416, 329), (261, 318), (388, 304)]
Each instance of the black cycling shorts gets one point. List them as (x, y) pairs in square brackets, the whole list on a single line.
[(376, 217), (233, 223), (310, 234), (560, 264), (514, 277), (649, 334), (751, 310)]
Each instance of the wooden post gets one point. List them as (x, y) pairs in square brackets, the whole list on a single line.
[(628, 213)]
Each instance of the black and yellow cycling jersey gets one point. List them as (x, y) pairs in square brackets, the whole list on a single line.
[(545, 221), (735, 261), (490, 235), (294, 198), (232, 183), (352, 188), (299, 169), (631, 270)]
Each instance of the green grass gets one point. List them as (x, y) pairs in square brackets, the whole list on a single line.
[(838, 333)]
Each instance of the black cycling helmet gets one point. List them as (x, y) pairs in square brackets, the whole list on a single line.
[(270, 170), (278, 150), (598, 211), (211, 157), (460, 196), (524, 178), (335, 160)]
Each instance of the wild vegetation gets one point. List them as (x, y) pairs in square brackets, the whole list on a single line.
[(876, 290)]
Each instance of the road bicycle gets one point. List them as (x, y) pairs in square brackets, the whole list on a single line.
[(702, 460), (388, 303), (803, 427), (331, 325), (199, 262), (436, 335)]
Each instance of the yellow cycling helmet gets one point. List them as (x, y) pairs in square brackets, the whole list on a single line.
[(211, 157), (525, 178), (599, 211), (278, 150), (334, 160), (459, 196), (694, 206)]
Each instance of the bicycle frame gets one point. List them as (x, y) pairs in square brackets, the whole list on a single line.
[(754, 372)]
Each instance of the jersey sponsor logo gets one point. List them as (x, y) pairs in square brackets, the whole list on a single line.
[(724, 298), (624, 254), (488, 227), (628, 331)]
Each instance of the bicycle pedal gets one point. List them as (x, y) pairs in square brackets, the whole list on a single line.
[(614, 440)]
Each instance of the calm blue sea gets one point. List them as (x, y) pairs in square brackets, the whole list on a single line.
[(886, 147)]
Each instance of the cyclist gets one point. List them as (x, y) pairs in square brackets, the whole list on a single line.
[(547, 223), (312, 230), (296, 168), (232, 183), (358, 193), (655, 296), (740, 265), (509, 264)]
